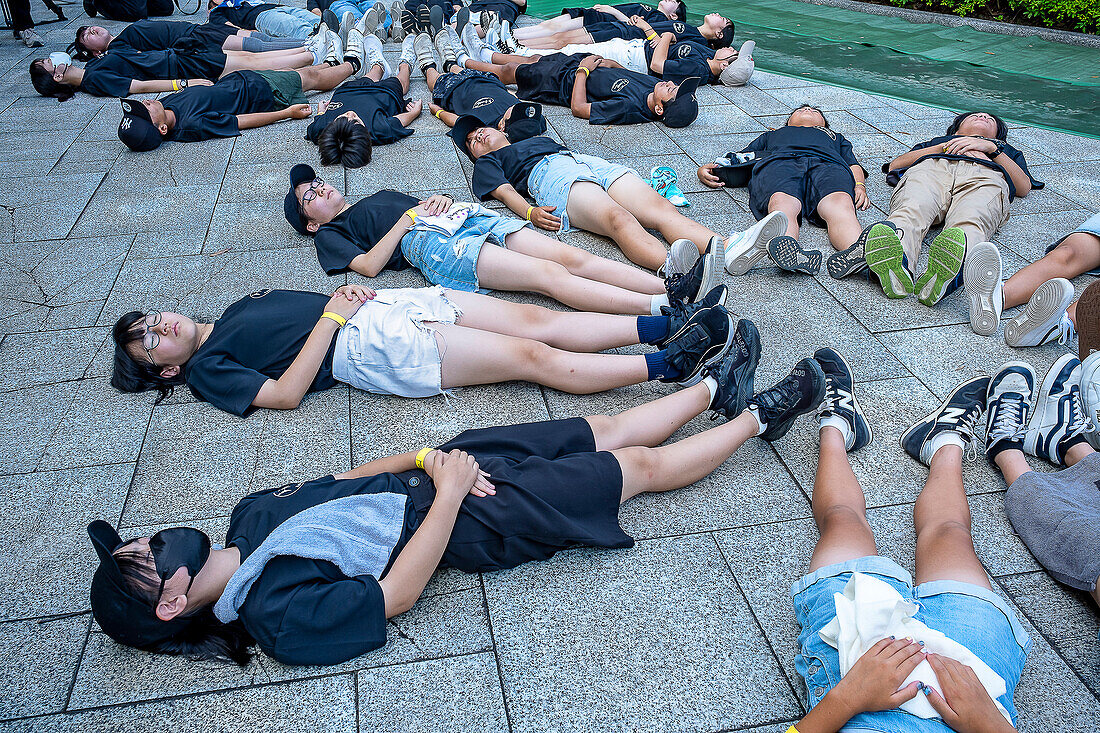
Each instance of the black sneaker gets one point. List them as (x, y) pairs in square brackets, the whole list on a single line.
[(788, 254), (702, 341), (799, 392), (424, 20), (409, 23), (435, 20), (840, 408), (735, 373), (852, 260), (692, 285), (1009, 402), (959, 414), (330, 19), (679, 315)]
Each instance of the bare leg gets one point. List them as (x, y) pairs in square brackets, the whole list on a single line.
[(431, 76), (376, 72), (584, 264), (654, 211), (559, 40), (323, 78), (404, 73), (549, 27), (838, 209), (790, 206), (593, 209), (1076, 255), (945, 549), (839, 507), (1013, 465), (652, 423), (267, 60)]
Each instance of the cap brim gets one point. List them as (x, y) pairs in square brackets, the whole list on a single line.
[(301, 173), (462, 129), (105, 540)]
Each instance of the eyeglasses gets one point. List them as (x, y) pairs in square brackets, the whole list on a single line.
[(310, 193), (151, 339)]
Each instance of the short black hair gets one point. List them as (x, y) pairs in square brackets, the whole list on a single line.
[(347, 142), (133, 375), (46, 85), (77, 49), (681, 10), (809, 106), (1002, 128), (724, 39)]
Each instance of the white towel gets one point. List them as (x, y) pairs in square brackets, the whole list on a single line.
[(870, 610), (448, 222)]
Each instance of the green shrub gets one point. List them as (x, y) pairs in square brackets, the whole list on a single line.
[(1079, 15)]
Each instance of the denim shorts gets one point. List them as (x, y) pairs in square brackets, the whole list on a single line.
[(973, 616), (451, 261), (1091, 226), (551, 179)]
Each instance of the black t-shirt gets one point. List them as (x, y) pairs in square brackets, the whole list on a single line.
[(893, 176), (591, 15), (376, 103), (480, 95), (792, 141), (685, 60), (359, 228), (242, 15), (130, 10), (682, 30), (506, 9), (256, 339), (206, 112), (306, 611), (511, 164), (618, 96), (152, 35), (111, 74)]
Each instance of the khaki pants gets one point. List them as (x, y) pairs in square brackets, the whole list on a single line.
[(958, 193)]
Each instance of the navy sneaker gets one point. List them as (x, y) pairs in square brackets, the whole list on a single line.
[(788, 254), (678, 316), (1008, 402), (799, 392), (1059, 421), (850, 261), (954, 420), (702, 341), (840, 409), (690, 286), (736, 372)]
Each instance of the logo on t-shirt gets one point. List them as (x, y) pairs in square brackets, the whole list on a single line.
[(827, 131), (482, 102), (683, 51), (259, 293), (679, 27), (620, 85), (334, 105), (647, 8), (288, 490)]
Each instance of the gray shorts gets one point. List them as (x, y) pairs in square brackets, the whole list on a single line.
[(1057, 515)]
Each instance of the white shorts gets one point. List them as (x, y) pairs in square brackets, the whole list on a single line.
[(631, 54), (385, 347)]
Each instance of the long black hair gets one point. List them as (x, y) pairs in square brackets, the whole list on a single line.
[(347, 142), (815, 109), (1002, 128), (681, 10), (134, 375), (46, 85), (77, 49), (205, 638), (724, 38)]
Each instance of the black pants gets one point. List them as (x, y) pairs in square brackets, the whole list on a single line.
[(20, 15)]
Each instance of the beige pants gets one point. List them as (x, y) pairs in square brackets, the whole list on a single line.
[(958, 193)]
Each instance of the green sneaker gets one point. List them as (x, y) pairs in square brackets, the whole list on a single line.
[(945, 264), (886, 258)]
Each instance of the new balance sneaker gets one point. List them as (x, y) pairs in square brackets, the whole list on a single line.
[(681, 256), (409, 24), (446, 52), (945, 264), (679, 315), (662, 179), (701, 342), (952, 423), (1059, 421), (852, 260), (886, 258), (424, 20), (1044, 318), (745, 249), (788, 254), (425, 53), (408, 53), (777, 407), (1008, 400), (471, 41), (397, 27), (736, 372), (982, 279), (373, 47), (1090, 394), (487, 19), (840, 408), (691, 286), (370, 21)]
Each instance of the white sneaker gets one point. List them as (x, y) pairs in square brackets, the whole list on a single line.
[(408, 54), (318, 45), (745, 249), (471, 41), (335, 49), (372, 47), (1090, 394), (1044, 318), (982, 280), (347, 23)]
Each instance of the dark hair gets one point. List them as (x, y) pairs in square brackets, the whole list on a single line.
[(133, 375), (1002, 128), (724, 38), (815, 109), (344, 141), (77, 49), (205, 638), (681, 10), (45, 84)]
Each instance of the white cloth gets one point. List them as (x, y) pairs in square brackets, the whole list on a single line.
[(448, 222), (870, 610), (630, 54)]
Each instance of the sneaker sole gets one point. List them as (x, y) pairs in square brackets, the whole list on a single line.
[(790, 256), (701, 371), (884, 254), (981, 276), (1088, 321), (845, 262), (1042, 396), (1041, 315), (945, 260), (709, 279), (758, 248), (397, 30)]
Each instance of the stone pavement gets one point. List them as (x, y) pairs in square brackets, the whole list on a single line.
[(690, 630)]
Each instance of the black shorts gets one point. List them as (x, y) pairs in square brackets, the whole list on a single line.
[(542, 81), (610, 30), (554, 491), (808, 179), (506, 9), (206, 62)]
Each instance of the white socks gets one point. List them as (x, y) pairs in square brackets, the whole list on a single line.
[(712, 386), (658, 302), (761, 425)]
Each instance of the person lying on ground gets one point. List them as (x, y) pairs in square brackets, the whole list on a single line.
[(470, 248), (964, 179), (128, 10), (271, 19), (803, 167), (572, 19), (93, 41), (715, 32)]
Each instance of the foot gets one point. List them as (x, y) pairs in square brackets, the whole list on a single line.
[(373, 48), (435, 17), (507, 42), (424, 20), (408, 53), (691, 286), (982, 279), (335, 49), (30, 38), (347, 22), (849, 261), (745, 249), (318, 45), (682, 255), (799, 392), (945, 262), (397, 29), (952, 423), (470, 40), (1059, 421), (462, 18), (487, 20), (425, 53), (370, 21), (788, 254), (679, 315), (1008, 400), (886, 258), (443, 46), (1090, 393), (701, 342), (1044, 319), (736, 372), (409, 24), (839, 408), (330, 19)]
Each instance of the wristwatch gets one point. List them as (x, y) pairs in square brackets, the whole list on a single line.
[(183, 83)]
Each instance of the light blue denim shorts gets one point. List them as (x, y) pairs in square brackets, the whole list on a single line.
[(551, 179), (451, 261), (1091, 226), (973, 616)]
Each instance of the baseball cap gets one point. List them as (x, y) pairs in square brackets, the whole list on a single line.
[(525, 121), (136, 128), (299, 174), (740, 70), (683, 110), (462, 129)]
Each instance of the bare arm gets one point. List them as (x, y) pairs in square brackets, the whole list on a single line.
[(1020, 180), (412, 111), (447, 118), (262, 119), (578, 102), (164, 85), (371, 263), (660, 53), (389, 464), (908, 159)]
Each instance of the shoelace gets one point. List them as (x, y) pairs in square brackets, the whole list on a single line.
[(1067, 331), (1079, 422), (832, 397), (967, 424), (1010, 420)]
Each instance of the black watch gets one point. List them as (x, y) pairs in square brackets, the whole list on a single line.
[(183, 83)]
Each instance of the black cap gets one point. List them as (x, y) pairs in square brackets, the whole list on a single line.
[(462, 129), (299, 174), (683, 110), (136, 128), (120, 613), (525, 121)]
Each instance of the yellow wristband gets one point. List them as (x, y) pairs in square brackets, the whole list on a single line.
[(335, 317), (437, 113), (175, 85), (411, 214), (584, 69), (861, 183), (650, 36), (792, 729), (420, 456), (527, 216)]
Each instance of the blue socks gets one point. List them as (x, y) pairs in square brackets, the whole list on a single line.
[(652, 329), (657, 367)]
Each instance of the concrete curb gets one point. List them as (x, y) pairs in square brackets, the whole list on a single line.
[(954, 21)]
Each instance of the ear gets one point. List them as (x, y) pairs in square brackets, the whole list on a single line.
[(169, 371), (659, 109), (163, 128), (58, 75), (170, 607), (313, 226)]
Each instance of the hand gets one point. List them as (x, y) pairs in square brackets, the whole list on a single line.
[(435, 205), (707, 177), (457, 476), (872, 682), (199, 83), (861, 199), (602, 8), (656, 40), (322, 107), (482, 486), (433, 107), (299, 111), (542, 217), (417, 106), (591, 62), (964, 704), (960, 145), (348, 298), (639, 22)]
